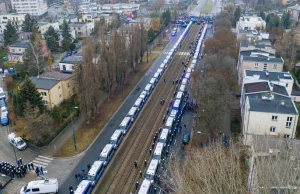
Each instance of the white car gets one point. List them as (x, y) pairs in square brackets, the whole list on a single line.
[(18, 142)]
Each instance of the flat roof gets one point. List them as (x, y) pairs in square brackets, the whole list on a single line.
[(152, 167), (132, 111), (106, 150), (125, 121), (256, 87), (23, 44), (42, 83), (159, 148), (263, 59), (271, 76), (81, 187), (56, 75)]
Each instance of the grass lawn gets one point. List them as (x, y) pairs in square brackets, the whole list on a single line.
[(207, 7), (87, 132), (3, 53)]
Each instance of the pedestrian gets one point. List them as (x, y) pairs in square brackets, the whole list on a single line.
[(153, 145), (76, 177), (164, 80), (37, 171), (82, 170), (29, 167), (184, 126), (150, 151), (41, 171), (141, 173), (135, 164), (89, 167), (21, 162), (137, 185), (71, 189), (32, 167), (163, 101), (168, 109), (18, 162), (145, 163), (164, 119), (173, 82)]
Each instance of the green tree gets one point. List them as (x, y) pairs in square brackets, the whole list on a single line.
[(237, 14), (67, 43), (10, 33), (51, 38), (285, 20), (262, 15), (29, 24), (28, 93), (56, 114), (151, 34), (273, 21), (166, 17)]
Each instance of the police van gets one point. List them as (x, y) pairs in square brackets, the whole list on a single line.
[(163, 138), (40, 187), (177, 104), (170, 122), (152, 168), (125, 124), (146, 187), (174, 113), (149, 88), (116, 138), (133, 113), (184, 81), (84, 187), (139, 103), (187, 76), (156, 75), (95, 172), (158, 151), (179, 95), (162, 66), (166, 62), (107, 153), (144, 95), (173, 51), (189, 70), (160, 71), (153, 81), (168, 57), (182, 88)]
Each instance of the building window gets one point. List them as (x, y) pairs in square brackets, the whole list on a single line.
[(286, 136), (272, 129), (289, 122), (60, 96), (274, 118), (68, 84), (43, 94), (274, 66), (45, 102), (58, 87), (256, 65), (286, 85)]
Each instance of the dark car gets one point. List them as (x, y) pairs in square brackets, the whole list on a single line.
[(186, 138)]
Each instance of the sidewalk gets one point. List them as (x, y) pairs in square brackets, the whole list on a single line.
[(51, 149)]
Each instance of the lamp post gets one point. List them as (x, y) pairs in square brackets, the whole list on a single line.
[(74, 136)]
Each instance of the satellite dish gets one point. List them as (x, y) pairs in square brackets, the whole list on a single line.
[(270, 150)]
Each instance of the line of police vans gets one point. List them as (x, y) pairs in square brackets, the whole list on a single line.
[(98, 167), (172, 123)]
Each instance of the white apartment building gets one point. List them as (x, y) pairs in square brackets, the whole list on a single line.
[(44, 26), (17, 50), (32, 7), (283, 79), (14, 18), (250, 23), (67, 64), (82, 29)]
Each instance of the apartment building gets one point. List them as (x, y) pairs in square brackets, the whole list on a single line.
[(14, 18), (32, 7), (17, 50)]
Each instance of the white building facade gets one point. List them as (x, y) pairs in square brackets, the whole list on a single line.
[(15, 19), (250, 23), (32, 7)]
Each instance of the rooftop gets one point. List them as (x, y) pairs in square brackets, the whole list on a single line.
[(256, 53), (295, 7), (72, 59), (77, 24), (263, 59), (278, 103), (42, 83), (256, 87), (23, 44), (271, 76), (56, 75)]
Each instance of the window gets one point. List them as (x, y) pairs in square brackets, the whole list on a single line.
[(289, 122), (272, 129), (274, 66), (43, 94), (68, 84), (265, 67), (35, 190), (286, 136), (274, 118), (58, 87), (256, 65), (60, 96), (45, 102)]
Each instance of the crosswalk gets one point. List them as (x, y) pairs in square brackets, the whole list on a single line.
[(42, 161), (166, 52), (183, 53)]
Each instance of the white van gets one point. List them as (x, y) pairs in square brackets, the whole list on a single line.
[(40, 186), (179, 95), (182, 88), (163, 138), (169, 123), (133, 113), (84, 187), (189, 70), (139, 103), (149, 88), (162, 66), (151, 171), (158, 151), (95, 172), (156, 75), (107, 153), (125, 124), (144, 96), (146, 187), (187, 76), (153, 81), (116, 138)]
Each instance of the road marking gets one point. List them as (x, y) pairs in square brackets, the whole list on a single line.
[(42, 161)]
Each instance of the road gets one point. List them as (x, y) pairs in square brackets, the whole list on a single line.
[(92, 154)]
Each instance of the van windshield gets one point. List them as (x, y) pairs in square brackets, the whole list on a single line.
[(102, 158), (25, 187), (21, 142), (113, 141), (91, 178)]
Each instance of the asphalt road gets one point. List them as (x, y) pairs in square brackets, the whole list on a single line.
[(93, 153)]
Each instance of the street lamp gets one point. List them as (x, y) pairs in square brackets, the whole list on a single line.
[(74, 136)]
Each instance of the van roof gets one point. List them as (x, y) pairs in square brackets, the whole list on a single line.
[(169, 122), (42, 182), (82, 186), (116, 134), (162, 65), (132, 111), (189, 70), (138, 102), (168, 57), (95, 167), (173, 113), (158, 149), (125, 121), (159, 70), (106, 150), (164, 134), (166, 61), (176, 103), (145, 187), (152, 167), (182, 88), (187, 75), (152, 80), (148, 86), (156, 75), (179, 94)]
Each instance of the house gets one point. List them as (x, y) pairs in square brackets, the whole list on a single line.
[(50, 89), (69, 19), (67, 64), (250, 23), (284, 79), (267, 110), (44, 26), (60, 36), (17, 50), (16, 20), (82, 29), (67, 82), (294, 12)]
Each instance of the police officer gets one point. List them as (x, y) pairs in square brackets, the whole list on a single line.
[(135, 164), (150, 151), (141, 173), (29, 167), (137, 185), (145, 163)]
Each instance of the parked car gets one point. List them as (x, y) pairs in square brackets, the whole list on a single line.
[(186, 138), (18, 142)]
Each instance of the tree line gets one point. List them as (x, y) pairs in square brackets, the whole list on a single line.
[(108, 57)]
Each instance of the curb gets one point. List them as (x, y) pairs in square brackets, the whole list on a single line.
[(95, 139)]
